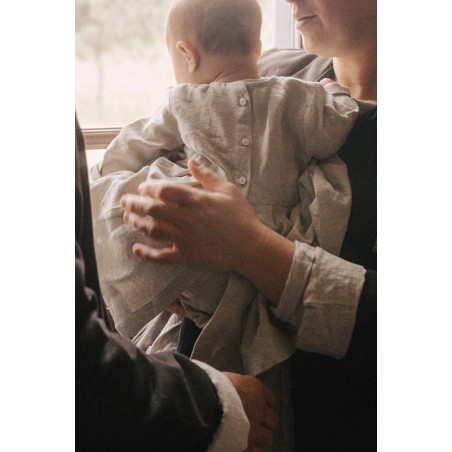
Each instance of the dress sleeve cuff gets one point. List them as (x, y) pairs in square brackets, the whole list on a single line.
[(290, 306), (336, 89), (320, 300), (232, 433)]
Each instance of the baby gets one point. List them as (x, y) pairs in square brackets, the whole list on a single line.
[(259, 133)]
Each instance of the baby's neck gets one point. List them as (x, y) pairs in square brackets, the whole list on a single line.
[(227, 69), (233, 76)]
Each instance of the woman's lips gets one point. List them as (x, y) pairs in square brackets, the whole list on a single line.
[(302, 21)]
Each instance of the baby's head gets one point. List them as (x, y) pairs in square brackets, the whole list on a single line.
[(206, 37)]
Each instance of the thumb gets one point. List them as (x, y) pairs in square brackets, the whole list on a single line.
[(209, 179)]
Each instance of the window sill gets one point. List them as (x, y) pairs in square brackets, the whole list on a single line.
[(99, 138)]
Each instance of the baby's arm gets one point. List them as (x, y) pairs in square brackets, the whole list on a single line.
[(125, 280), (328, 119), (140, 143)]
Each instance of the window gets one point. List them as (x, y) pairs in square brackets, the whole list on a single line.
[(122, 64)]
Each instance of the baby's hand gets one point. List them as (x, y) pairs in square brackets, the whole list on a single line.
[(326, 81), (176, 308)]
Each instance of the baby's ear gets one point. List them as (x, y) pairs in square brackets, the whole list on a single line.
[(190, 54)]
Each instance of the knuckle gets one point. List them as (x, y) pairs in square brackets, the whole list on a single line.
[(163, 191)]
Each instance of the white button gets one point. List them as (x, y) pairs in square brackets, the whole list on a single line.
[(242, 101), (245, 141), (242, 180)]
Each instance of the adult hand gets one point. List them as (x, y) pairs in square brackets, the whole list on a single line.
[(260, 406), (214, 228)]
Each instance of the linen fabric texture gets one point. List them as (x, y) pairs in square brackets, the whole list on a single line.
[(261, 135)]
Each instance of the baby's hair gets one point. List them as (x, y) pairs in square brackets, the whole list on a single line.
[(221, 26)]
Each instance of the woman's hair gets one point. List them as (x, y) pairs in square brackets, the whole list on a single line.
[(219, 26)]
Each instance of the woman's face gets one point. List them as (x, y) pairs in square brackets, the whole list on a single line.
[(333, 28)]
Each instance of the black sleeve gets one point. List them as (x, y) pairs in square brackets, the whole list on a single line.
[(128, 401), (363, 344), (124, 399)]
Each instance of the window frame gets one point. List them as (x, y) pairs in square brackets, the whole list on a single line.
[(287, 37), (99, 138)]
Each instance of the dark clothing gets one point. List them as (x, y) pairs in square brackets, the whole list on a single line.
[(359, 152), (335, 401), (126, 400), (295, 63)]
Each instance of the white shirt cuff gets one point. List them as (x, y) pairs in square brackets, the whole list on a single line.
[(232, 433)]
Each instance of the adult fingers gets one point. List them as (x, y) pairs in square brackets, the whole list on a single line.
[(162, 255), (139, 205), (171, 193), (144, 206), (270, 418), (136, 203), (159, 230), (270, 398), (210, 180), (262, 437)]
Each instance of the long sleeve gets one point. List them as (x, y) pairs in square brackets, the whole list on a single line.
[(321, 215), (143, 149), (142, 142), (328, 119), (323, 291), (320, 300)]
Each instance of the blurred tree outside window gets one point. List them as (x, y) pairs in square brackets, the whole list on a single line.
[(122, 64)]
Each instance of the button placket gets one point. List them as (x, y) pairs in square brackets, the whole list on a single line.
[(242, 159)]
